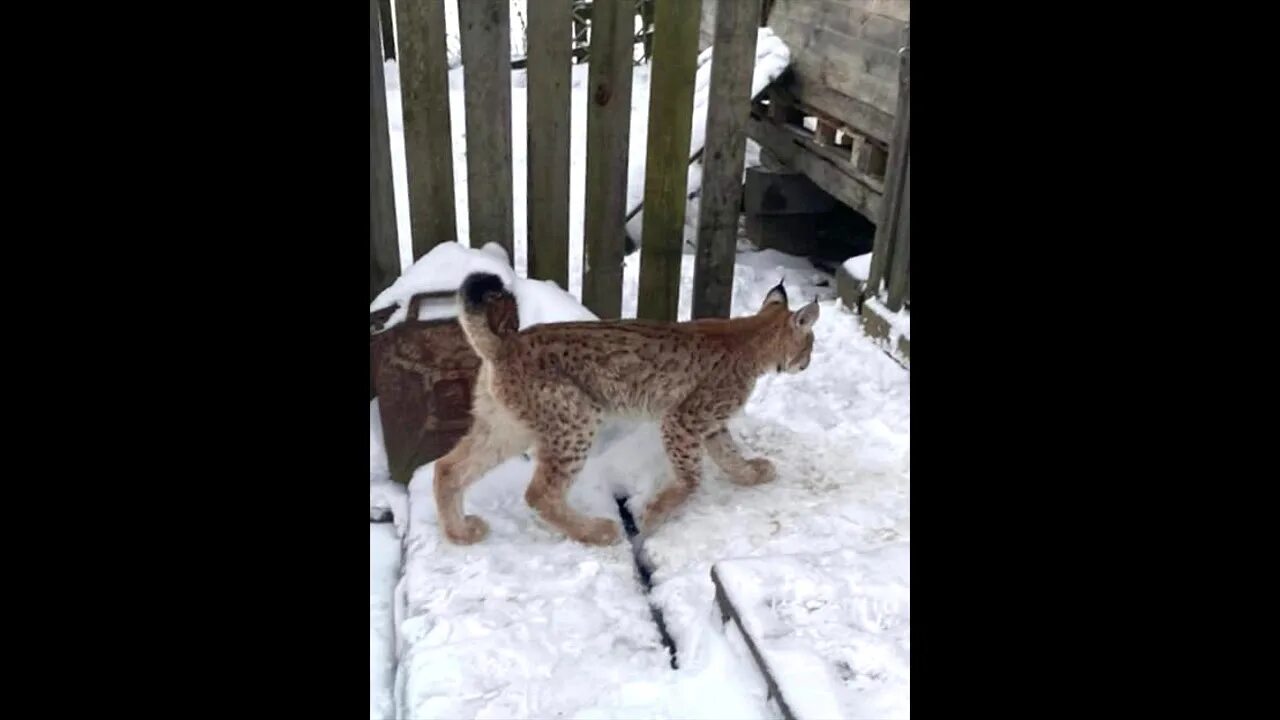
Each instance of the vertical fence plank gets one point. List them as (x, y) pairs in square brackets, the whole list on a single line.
[(901, 268), (549, 71), (485, 28), (384, 252), (675, 58), (728, 108), (428, 136), (608, 141), (882, 249)]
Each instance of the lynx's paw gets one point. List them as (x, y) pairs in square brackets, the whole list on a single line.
[(473, 531), (758, 472), (598, 531)]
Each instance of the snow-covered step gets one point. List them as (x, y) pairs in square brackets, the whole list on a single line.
[(525, 623), (831, 632)]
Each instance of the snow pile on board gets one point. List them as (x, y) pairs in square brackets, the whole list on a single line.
[(833, 629)]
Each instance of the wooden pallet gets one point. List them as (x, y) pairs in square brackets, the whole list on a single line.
[(847, 163)]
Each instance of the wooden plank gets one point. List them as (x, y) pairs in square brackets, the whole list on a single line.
[(675, 62), (728, 108), (485, 29), (901, 268), (857, 114), (843, 59), (893, 181), (384, 250), (608, 142), (549, 72), (834, 176), (428, 133)]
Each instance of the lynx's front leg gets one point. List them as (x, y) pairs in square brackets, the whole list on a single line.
[(684, 450), (741, 471)]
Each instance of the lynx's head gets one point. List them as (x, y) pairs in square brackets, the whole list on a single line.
[(792, 341)]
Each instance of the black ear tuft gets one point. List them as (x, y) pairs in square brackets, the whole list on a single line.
[(777, 294)]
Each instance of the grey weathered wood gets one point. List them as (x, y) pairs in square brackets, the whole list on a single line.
[(728, 108), (549, 72), (428, 135), (844, 57), (836, 176), (901, 269), (384, 251), (886, 225), (485, 29), (608, 141), (675, 62), (767, 192)]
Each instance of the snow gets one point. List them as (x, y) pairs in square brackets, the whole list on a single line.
[(529, 624), (384, 569), (833, 628), (859, 267)]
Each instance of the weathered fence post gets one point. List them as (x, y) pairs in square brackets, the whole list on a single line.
[(384, 251), (608, 138), (887, 223), (728, 109), (485, 29), (900, 271), (674, 66), (428, 137), (550, 74)]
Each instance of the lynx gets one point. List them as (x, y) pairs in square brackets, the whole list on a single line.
[(549, 386)]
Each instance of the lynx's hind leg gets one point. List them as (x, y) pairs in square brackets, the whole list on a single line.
[(494, 437), (567, 426)]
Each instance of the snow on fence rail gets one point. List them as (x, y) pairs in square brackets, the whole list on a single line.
[(484, 34)]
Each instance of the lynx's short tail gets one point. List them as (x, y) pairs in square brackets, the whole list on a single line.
[(488, 313)]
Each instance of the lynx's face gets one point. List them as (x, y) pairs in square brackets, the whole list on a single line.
[(795, 341)]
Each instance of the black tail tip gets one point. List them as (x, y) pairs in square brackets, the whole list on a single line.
[(477, 286)]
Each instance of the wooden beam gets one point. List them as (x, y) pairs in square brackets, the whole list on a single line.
[(384, 249), (886, 225), (550, 75), (428, 133), (900, 271), (674, 65), (485, 29), (728, 109), (608, 141)]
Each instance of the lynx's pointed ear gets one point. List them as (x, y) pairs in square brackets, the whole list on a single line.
[(778, 295), (805, 317)]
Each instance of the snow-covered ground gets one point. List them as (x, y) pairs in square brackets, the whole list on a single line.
[(529, 624)]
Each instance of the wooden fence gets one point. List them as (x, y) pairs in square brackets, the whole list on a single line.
[(891, 255), (484, 27)]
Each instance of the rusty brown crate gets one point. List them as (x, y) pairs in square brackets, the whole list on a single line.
[(424, 372)]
